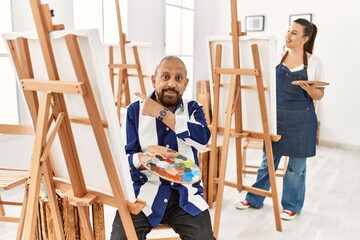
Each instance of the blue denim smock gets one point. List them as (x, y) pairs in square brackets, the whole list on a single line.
[(296, 117)]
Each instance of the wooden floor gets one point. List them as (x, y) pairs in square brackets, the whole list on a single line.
[(331, 211)]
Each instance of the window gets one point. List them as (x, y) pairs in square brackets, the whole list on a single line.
[(9, 111), (179, 35), (101, 15)]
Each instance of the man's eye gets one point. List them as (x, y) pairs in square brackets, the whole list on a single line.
[(165, 77), (179, 78)]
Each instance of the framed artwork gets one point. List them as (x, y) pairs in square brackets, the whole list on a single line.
[(254, 23), (307, 16)]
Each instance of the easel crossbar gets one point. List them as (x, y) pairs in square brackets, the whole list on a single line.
[(86, 121), (246, 188), (105, 198), (87, 200), (123, 66), (9, 219), (16, 129), (226, 85), (250, 134), (237, 71), (55, 86)]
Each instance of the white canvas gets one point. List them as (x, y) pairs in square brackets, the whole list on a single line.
[(250, 104), (147, 64), (94, 57)]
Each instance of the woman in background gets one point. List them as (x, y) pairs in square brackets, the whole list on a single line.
[(296, 119)]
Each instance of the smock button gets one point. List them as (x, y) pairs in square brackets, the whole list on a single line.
[(167, 129), (167, 145), (165, 200)]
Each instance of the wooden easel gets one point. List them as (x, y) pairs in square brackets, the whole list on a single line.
[(234, 106), (50, 116), (255, 143), (123, 75), (11, 178)]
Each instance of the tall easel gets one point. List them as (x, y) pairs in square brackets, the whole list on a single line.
[(234, 106), (45, 99), (123, 90)]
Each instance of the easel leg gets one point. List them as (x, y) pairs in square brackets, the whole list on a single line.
[(35, 169), (268, 147), (2, 210), (54, 206), (85, 222), (139, 71), (22, 215), (119, 93), (271, 169), (224, 156), (213, 153)]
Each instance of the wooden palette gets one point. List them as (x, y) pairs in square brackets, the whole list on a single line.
[(170, 165), (317, 83)]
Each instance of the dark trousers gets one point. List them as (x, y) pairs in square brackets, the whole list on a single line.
[(188, 227)]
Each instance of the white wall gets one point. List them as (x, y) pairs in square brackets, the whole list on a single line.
[(337, 44), (16, 151), (24, 21), (147, 24)]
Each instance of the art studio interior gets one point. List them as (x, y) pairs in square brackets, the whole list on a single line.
[(70, 69)]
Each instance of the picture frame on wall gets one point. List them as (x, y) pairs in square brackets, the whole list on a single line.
[(254, 23), (307, 16)]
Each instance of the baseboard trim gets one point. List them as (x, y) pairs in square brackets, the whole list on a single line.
[(339, 145)]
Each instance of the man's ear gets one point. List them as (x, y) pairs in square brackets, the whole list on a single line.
[(153, 79)]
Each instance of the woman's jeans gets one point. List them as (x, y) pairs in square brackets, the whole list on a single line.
[(293, 194), (188, 227)]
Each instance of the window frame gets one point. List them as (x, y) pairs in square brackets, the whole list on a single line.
[(9, 88), (187, 58)]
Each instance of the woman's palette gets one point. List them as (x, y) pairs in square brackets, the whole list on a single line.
[(170, 165), (317, 83)]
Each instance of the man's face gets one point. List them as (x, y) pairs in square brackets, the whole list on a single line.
[(170, 82)]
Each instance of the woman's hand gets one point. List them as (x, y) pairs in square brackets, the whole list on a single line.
[(316, 93), (307, 87)]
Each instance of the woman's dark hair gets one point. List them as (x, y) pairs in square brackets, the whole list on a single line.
[(310, 30)]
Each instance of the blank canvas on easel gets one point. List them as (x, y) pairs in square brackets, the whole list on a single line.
[(250, 103), (147, 64), (94, 58)]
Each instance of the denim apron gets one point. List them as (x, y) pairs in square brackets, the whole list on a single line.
[(296, 118)]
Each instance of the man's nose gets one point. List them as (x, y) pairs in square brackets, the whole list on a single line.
[(172, 82)]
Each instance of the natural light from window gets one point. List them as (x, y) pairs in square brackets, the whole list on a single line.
[(9, 113), (101, 15), (179, 32)]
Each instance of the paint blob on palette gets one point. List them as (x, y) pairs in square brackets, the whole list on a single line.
[(170, 165)]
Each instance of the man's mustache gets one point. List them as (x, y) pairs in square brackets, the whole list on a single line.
[(170, 89)]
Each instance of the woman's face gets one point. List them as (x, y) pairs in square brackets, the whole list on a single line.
[(294, 37)]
